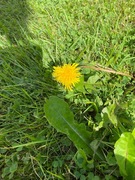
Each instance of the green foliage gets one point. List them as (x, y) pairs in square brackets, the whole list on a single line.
[(10, 169), (35, 35), (59, 116), (125, 155)]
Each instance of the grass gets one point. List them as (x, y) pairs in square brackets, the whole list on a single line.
[(37, 34)]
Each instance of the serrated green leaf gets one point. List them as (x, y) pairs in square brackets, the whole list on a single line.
[(60, 117), (125, 155)]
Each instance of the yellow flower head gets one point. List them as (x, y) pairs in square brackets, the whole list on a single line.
[(68, 75)]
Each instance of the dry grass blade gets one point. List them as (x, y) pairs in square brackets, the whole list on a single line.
[(108, 70)]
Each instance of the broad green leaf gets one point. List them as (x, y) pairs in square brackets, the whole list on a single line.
[(125, 155), (108, 114), (80, 85), (60, 117), (81, 159), (93, 79), (133, 133), (13, 167)]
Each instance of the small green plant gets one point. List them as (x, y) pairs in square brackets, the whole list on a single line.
[(85, 136), (60, 117)]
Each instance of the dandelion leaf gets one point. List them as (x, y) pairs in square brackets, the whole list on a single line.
[(59, 115)]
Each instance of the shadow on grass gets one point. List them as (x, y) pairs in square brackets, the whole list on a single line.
[(21, 58), (22, 76), (13, 19)]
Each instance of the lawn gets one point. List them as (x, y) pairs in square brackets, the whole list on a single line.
[(99, 37)]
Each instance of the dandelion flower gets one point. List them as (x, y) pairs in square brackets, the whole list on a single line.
[(68, 75)]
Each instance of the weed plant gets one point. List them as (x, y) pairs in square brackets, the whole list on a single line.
[(36, 35)]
